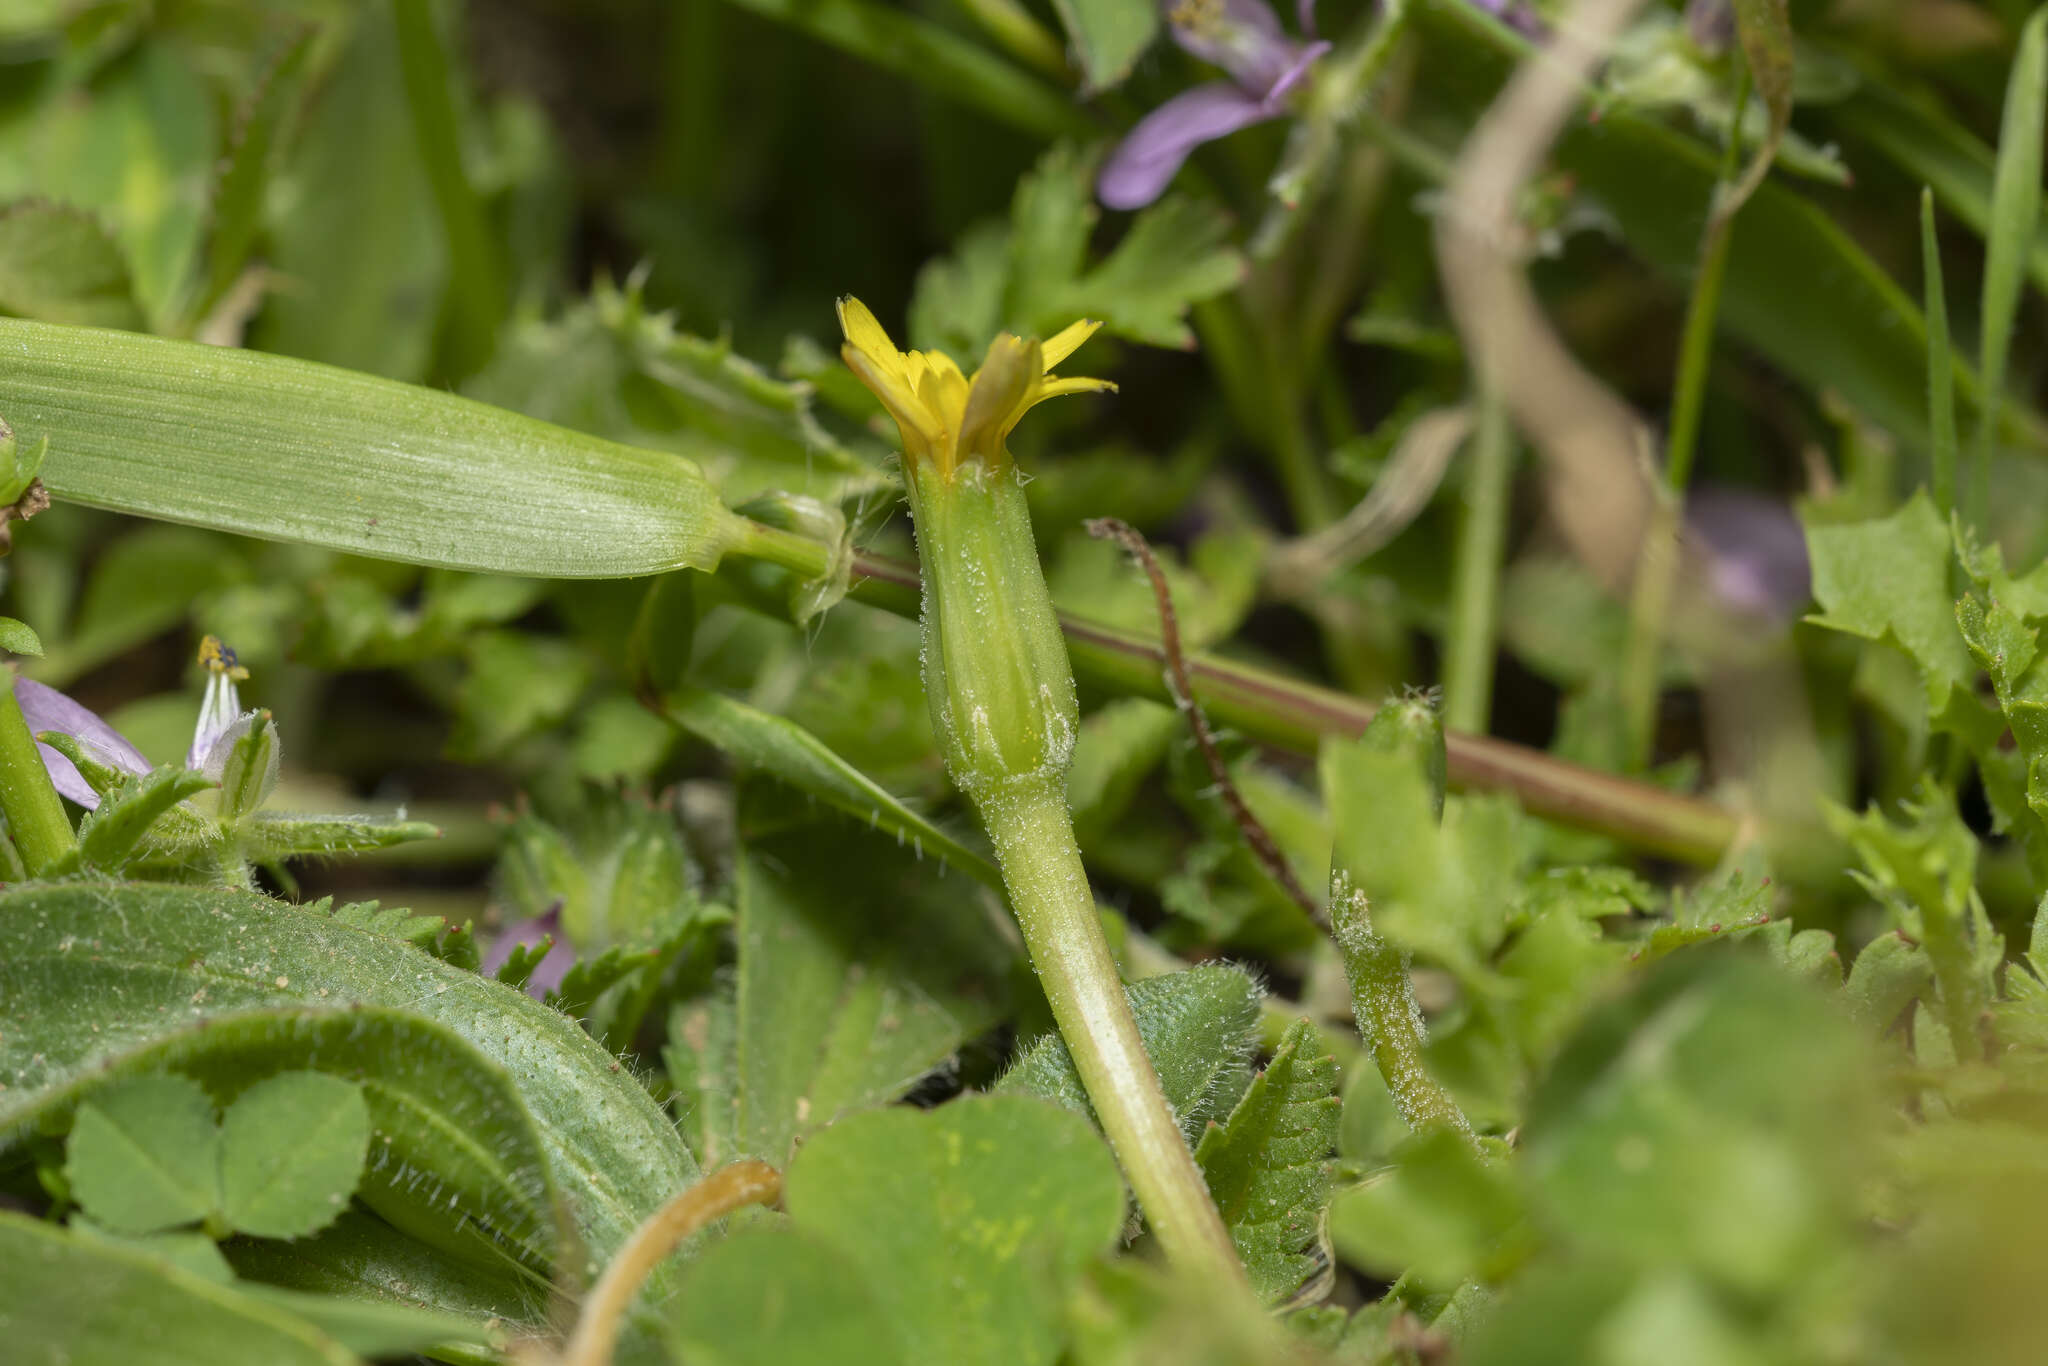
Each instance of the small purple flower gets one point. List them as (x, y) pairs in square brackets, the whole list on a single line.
[(1245, 39), (1756, 550), (46, 709), (553, 966), (221, 723)]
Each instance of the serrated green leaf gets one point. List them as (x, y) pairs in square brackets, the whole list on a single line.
[(291, 1152), (1443, 890), (787, 752), (1001, 1199), (520, 965), (1890, 576), (1925, 866), (1269, 1165), (59, 265), (1108, 35), (117, 828), (1890, 973), (591, 976), (767, 1296), (71, 1299), (1176, 254), (610, 367), (1198, 1028), (857, 975), (283, 449), (144, 1155)]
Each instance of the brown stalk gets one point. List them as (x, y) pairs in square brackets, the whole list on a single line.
[(1182, 690), (731, 1187)]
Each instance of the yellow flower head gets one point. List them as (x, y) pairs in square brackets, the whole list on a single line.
[(947, 417)]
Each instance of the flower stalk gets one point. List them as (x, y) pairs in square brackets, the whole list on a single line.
[(1001, 691)]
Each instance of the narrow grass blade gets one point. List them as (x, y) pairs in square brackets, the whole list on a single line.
[(1941, 376), (2015, 210)]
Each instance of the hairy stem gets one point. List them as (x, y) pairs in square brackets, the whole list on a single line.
[(1034, 840), (1255, 833), (1389, 1020)]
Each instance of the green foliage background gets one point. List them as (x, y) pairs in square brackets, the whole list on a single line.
[(475, 379)]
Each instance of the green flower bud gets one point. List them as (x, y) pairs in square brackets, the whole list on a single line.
[(995, 664)]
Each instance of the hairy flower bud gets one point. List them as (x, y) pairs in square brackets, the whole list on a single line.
[(995, 663)]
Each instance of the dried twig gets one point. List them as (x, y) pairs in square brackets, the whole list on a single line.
[(729, 1188), (1183, 694)]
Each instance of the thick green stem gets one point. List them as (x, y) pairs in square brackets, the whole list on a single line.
[(1034, 840), (1475, 576), (35, 814)]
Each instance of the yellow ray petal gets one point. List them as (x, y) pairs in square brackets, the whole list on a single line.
[(867, 335), (1071, 384), (942, 388), (1067, 341), (912, 418), (1000, 394)]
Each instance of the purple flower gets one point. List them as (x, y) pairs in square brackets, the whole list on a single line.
[(1244, 38), (46, 709), (554, 965), (1755, 548), (222, 722)]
